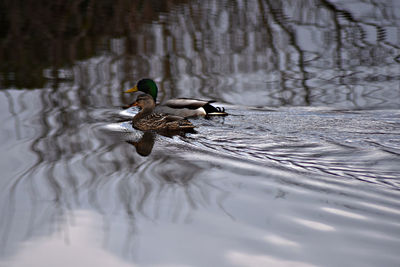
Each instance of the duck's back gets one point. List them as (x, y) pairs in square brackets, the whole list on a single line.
[(188, 107), (182, 111)]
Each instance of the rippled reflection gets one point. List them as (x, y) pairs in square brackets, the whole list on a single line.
[(316, 185), (278, 52)]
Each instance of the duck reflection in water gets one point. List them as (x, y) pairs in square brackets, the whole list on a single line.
[(145, 145), (151, 123)]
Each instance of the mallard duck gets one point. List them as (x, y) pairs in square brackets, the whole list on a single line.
[(147, 119), (184, 107)]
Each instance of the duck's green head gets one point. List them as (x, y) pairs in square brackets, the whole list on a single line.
[(147, 86)]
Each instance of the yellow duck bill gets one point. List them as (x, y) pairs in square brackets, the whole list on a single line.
[(133, 89)]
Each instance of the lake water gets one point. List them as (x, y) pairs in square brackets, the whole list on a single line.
[(305, 170)]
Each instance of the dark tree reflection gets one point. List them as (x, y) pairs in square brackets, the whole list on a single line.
[(280, 52)]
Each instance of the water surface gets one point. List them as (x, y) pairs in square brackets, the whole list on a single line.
[(303, 172)]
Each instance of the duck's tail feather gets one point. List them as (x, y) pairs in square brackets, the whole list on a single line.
[(214, 111)]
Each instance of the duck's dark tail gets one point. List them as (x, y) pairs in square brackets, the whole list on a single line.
[(214, 111)]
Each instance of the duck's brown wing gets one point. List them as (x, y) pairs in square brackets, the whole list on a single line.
[(173, 118), (178, 122)]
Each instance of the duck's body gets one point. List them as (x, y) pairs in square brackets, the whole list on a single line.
[(184, 107), (189, 107), (148, 120)]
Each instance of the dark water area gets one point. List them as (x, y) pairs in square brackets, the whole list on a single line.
[(305, 170)]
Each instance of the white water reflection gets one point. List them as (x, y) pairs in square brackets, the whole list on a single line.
[(280, 241), (345, 213), (64, 247), (243, 259), (314, 225)]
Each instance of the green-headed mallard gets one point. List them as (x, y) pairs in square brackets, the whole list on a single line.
[(147, 119), (184, 107)]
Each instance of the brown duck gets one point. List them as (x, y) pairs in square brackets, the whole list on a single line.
[(148, 120)]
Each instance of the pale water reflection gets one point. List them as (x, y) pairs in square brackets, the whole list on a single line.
[(66, 246), (303, 172)]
